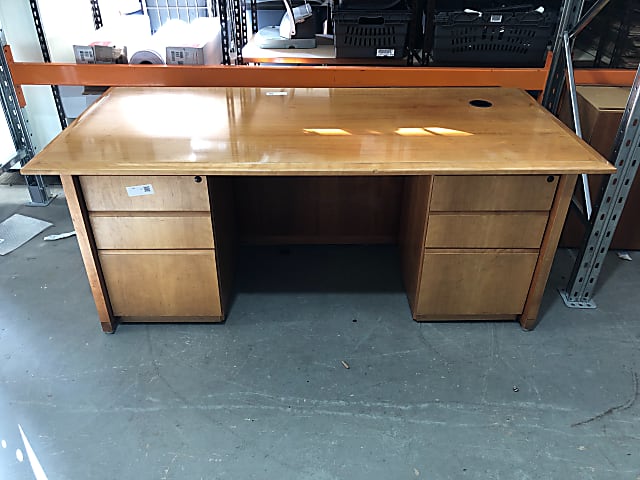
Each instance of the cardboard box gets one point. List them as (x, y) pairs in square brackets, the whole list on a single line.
[(109, 44), (601, 111), (100, 53), (198, 43), (75, 100), (198, 54)]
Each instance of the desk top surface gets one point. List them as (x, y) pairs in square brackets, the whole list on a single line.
[(267, 131)]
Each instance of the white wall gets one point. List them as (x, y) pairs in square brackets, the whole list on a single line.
[(7, 149), (65, 22), (17, 23)]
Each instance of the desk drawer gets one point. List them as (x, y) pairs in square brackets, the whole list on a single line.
[(493, 193), (170, 193), (152, 232), (172, 283), (486, 230), (486, 283)]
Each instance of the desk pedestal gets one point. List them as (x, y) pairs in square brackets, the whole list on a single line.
[(161, 248)]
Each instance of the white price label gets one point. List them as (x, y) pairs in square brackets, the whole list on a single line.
[(385, 52), (139, 190), (495, 18)]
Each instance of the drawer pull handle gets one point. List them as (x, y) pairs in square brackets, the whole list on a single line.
[(550, 178), (197, 179)]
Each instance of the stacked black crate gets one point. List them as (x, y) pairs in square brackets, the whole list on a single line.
[(492, 33), (371, 29)]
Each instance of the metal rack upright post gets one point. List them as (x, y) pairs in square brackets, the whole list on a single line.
[(20, 131), (625, 157)]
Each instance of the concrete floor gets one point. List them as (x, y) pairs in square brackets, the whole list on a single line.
[(265, 395)]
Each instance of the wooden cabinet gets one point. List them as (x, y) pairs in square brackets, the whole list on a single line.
[(155, 244), (601, 109), (471, 244), (482, 239)]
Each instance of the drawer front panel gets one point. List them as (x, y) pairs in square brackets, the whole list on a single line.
[(470, 283), (170, 193), (493, 193), (486, 230), (171, 283), (152, 232)]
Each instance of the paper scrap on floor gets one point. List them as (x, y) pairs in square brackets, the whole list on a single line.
[(59, 236), (17, 230)]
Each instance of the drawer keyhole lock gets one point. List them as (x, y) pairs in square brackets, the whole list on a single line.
[(550, 178), (197, 179)]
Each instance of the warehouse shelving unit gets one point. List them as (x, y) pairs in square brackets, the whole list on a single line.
[(12, 105), (548, 79), (602, 218), (607, 212)]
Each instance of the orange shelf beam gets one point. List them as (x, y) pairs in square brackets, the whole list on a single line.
[(25, 73), (614, 77), (28, 73)]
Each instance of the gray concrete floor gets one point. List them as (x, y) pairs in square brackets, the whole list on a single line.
[(265, 395)]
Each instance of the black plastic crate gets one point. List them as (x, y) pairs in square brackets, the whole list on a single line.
[(371, 5), (510, 39), (370, 33)]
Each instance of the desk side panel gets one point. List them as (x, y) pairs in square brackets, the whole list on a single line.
[(89, 252), (413, 228), (564, 192), (223, 217)]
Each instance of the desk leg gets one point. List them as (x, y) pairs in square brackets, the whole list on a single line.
[(564, 192), (88, 250)]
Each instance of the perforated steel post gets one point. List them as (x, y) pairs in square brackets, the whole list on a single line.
[(224, 31), (239, 28), (97, 16), (625, 157), (46, 56), (254, 16), (569, 17), (573, 95), (244, 34), (20, 133)]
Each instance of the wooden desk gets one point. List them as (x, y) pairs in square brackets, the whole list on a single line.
[(475, 197)]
